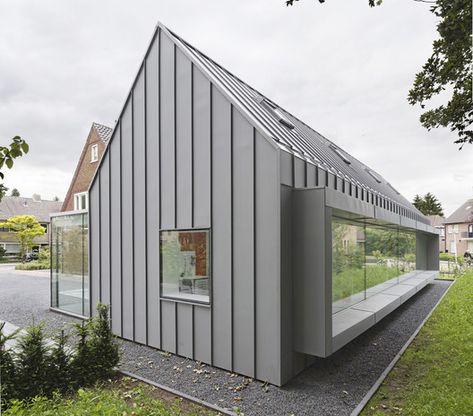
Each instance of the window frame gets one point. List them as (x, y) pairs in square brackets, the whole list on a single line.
[(210, 270), (94, 153), (79, 195)]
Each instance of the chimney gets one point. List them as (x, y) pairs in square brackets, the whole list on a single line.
[(36, 198)]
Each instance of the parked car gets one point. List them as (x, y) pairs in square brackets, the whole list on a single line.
[(30, 257)]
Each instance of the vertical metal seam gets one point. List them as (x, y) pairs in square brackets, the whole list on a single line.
[(306, 167), (193, 333), (316, 176), (110, 229), (145, 110), (231, 237), (121, 233), (211, 222), (100, 235), (175, 137), (133, 208), (176, 338), (254, 252), (293, 166), (159, 192), (192, 145)]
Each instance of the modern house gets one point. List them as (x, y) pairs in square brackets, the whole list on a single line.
[(438, 222), (224, 229), (11, 206), (94, 148), (459, 229)]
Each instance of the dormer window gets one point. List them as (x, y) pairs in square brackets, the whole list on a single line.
[(94, 153)]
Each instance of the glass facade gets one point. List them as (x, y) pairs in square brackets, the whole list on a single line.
[(185, 265), (367, 258), (69, 263)]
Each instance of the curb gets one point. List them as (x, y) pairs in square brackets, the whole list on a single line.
[(181, 394), (388, 369)]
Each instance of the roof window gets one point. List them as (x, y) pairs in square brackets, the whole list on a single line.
[(373, 175), (278, 113), (340, 154), (393, 188)]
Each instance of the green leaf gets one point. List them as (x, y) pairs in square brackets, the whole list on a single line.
[(9, 163), (25, 147)]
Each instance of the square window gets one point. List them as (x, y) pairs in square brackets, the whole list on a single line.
[(185, 265)]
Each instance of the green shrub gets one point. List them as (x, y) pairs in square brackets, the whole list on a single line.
[(103, 347), (451, 258), (36, 368), (31, 359), (7, 370), (58, 366), (33, 265)]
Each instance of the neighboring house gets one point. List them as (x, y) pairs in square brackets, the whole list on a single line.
[(77, 195), (438, 222), (213, 219), (11, 206), (459, 229)]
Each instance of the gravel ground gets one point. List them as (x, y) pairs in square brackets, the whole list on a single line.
[(332, 386)]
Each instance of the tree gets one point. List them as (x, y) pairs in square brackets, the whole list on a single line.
[(428, 205), (15, 192), (447, 74), (448, 71), (17, 148), (25, 229)]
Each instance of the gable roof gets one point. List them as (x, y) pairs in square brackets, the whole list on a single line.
[(462, 214), (289, 133), (11, 206), (104, 133), (436, 220)]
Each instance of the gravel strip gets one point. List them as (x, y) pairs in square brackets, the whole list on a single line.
[(332, 386)]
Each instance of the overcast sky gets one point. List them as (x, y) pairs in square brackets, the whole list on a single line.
[(342, 67)]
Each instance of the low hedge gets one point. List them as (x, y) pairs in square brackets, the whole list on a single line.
[(35, 367), (33, 265)]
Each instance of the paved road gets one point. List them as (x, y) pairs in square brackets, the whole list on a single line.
[(332, 386)]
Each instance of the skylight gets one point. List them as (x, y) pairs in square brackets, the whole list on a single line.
[(373, 175), (340, 154), (393, 188), (278, 113)]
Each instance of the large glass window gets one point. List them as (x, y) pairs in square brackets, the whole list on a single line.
[(185, 264), (69, 263), (348, 256), (368, 258), (382, 258)]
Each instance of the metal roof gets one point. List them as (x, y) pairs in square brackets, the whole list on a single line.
[(462, 214), (293, 135)]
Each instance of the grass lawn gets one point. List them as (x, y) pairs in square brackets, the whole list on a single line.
[(351, 281), (435, 374), (122, 396)]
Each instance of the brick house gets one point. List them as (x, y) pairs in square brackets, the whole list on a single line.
[(11, 206), (77, 197), (459, 229)]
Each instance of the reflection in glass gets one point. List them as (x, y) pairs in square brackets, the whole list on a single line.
[(69, 263), (382, 260), (348, 254), (368, 258), (185, 265)]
